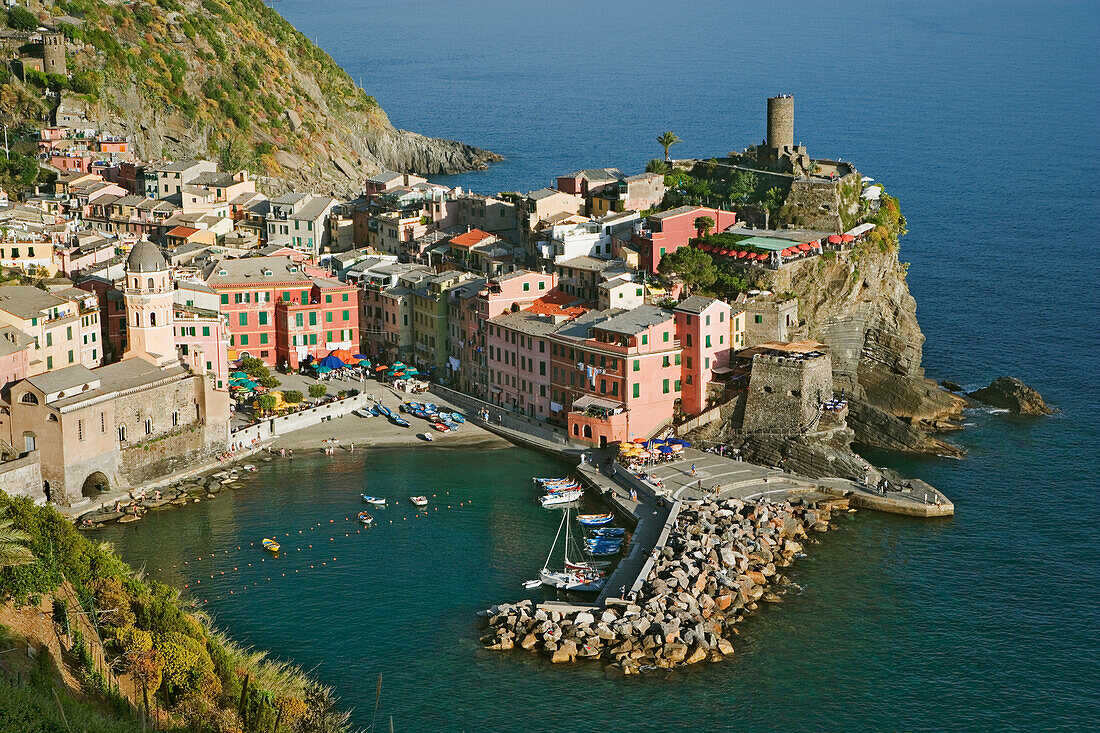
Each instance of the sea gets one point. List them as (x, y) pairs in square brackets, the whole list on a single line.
[(983, 118)]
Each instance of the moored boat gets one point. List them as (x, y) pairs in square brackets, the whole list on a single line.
[(270, 545), (375, 500), (419, 500), (366, 519), (609, 532), (561, 497), (594, 520), (574, 576)]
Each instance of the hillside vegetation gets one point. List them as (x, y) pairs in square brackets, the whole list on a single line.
[(232, 80)]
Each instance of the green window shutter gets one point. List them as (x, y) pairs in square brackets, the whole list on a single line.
[(329, 337), (346, 316), (345, 298), (664, 386), (665, 335), (242, 319), (263, 338), (305, 297), (286, 296), (70, 356), (677, 360), (313, 318), (328, 297), (758, 319), (49, 362), (645, 339), (263, 318), (676, 386), (637, 391), (665, 362), (328, 317), (708, 340), (637, 365), (313, 339), (206, 330), (526, 287), (244, 339)]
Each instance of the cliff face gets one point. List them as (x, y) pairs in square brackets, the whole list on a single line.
[(233, 81), (859, 304)]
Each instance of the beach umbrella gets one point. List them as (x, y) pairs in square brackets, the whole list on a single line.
[(664, 449), (835, 239), (381, 368), (323, 369), (361, 356), (805, 247), (343, 355), (331, 362), (847, 238), (412, 371), (742, 254), (679, 441), (238, 375)]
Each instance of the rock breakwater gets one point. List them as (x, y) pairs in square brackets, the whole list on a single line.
[(721, 559)]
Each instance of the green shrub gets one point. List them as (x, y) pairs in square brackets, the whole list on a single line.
[(293, 396), (21, 19), (317, 391)]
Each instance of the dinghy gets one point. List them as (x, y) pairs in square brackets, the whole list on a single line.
[(270, 545), (419, 500), (609, 532), (366, 519), (594, 520), (375, 500), (383, 410), (400, 421), (363, 412), (426, 437)]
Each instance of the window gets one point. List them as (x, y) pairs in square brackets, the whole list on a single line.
[(758, 319), (69, 333), (49, 339), (286, 296), (49, 362), (263, 338), (242, 319), (244, 339), (103, 422), (263, 319), (328, 317), (721, 316), (526, 287), (70, 356), (225, 298), (313, 318), (708, 341), (175, 418), (664, 386), (299, 321), (637, 365), (345, 298), (708, 320), (148, 426), (676, 386), (645, 339), (305, 297), (637, 391), (687, 339), (206, 330), (638, 292), (328, 336), (665, 361), (122, 433), (665, 335), (677, 359)]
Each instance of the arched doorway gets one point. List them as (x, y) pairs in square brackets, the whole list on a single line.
[(95, 484)]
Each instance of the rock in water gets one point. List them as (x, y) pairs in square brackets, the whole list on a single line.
[(1013, 395)]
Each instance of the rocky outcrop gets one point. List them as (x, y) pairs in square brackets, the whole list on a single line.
[(1013, 395), (858, 303), (721, 559)]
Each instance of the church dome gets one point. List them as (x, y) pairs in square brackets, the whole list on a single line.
[(146, 257)]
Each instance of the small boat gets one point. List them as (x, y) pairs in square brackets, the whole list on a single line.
[(602, 551), (561, 497), (573, 575), (403, 407), (363, 412), (594, 520), (248, 467), (383, 410), (400, 421), (609, 532), (560, 485), (375, 500), (270, 545), (532, 583), (366, 519), (563, 487), (545, 481), (458, 418), (426, 437), (419, 500), (440, 427)]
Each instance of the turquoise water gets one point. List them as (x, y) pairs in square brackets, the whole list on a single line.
[(982, 117)]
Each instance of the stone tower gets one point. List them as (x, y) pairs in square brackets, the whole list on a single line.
[(786, 392), (148, 295), (781, 122), (53, 53)]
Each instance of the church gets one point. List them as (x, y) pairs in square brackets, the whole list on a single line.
[(121, 425)]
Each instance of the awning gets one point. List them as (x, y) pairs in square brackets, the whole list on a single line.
[(583, 403), (846, 238)]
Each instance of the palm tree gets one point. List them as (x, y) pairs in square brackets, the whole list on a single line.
[(658, 166), (667, 140), (12, 551)]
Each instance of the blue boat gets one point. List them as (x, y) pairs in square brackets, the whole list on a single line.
[(375, 500), (457, 417), (400, 421), (594, 520), (602, 551), (383, 410), (609, 532)]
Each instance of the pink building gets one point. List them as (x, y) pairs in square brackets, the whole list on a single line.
[(667, 231), (202, 341), (519, 361), (15, 349), (703, 326)]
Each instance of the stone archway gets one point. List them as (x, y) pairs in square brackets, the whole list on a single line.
[(95, 484)]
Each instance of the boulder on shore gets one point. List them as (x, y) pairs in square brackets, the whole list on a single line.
[(1013, 395)]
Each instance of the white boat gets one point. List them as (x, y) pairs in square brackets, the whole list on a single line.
[(561, 497), (366, 519), (375, 500), (363, 412), (419, 500), (573, 575), (426, 437)]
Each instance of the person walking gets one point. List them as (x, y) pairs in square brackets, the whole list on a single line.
[(693, 469)]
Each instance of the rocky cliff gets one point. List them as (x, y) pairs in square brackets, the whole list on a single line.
[(233, 81)]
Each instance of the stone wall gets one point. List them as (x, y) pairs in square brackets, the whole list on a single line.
[(818, 204), (166, 454), (23, 477), (785, 393)]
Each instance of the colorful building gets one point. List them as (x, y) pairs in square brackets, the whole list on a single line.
[(704, 329), (667, 231)]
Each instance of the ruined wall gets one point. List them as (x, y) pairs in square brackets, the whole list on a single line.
[(166, 454), (23, 477), (823, 205), (785, 392)]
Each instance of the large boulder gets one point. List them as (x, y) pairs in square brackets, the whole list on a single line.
[(1013, 395)]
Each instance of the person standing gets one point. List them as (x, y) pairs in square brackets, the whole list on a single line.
[(693, 469)]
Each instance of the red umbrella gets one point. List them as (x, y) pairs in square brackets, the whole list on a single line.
[(743, 254), (786, 252), (804, 247), (762, 256), (724, 252), (847, 238), (834, 239)]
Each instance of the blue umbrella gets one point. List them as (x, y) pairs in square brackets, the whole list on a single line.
[(679, 441), (331, 362), (361, 356), (664, 449)]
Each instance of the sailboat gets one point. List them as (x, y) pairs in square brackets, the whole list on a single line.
[(575, 576)]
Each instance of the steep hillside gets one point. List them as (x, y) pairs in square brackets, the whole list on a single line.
[(234, 81)]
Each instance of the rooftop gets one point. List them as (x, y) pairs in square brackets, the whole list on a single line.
[(678, 211), (695, 304), (254, 271), (27, 301), (636, 320), (471, 238)]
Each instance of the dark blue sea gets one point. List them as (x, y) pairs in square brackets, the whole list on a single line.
[(984, 118)]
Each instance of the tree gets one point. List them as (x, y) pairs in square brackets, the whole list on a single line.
[(266, 403), (269, 382), (667, 140), (658, 166), (692, 266), (22, 19), (704, 225), (12, 548), (292, 396), (317, 391)]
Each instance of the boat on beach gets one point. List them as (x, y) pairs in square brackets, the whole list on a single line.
[(426, 437), (366, 519), (561, 497), (375, 500), (383, 410), (400, 421), (270, 545), (595, 520), (419, 500), (363, 412)]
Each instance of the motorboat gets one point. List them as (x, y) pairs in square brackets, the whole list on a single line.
[(270, 545), (383, 410), (419, 500), (426, 437), (375, 500), (595, 520), (400, 421), (574, 576), (366, 519), (561, 497), (609, 532), (362, 412)]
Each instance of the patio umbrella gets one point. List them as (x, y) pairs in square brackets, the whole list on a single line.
[(343, 355), (331, 362), (664, 449), (411, 371), (847, 238), (381, 368), (238, 375), (361, 356), (761, 257), (835, 239), (805, 247), (680, 442), (323, 369)]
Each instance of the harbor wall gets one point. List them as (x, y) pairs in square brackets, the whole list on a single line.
[(273, 427)]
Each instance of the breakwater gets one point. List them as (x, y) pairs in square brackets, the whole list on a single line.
[(720, 560)]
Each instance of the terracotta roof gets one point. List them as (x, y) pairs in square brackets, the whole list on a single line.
[(471, 238), (182, 232)]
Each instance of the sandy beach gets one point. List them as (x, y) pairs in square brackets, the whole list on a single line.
[(359, 433)]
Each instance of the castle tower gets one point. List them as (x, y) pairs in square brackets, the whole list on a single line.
[(53, 53), (148, 295), (781, 121)]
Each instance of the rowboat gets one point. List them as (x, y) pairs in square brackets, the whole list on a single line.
[(426, 437), (603, 551), (545, 481), (375, 500), (419, 500), (366, 519), (593, 520), (363, 412), (561, 497), (440, 427), (383, 410), (458, 418), (400, 421), (271, 545), (609, 532)]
